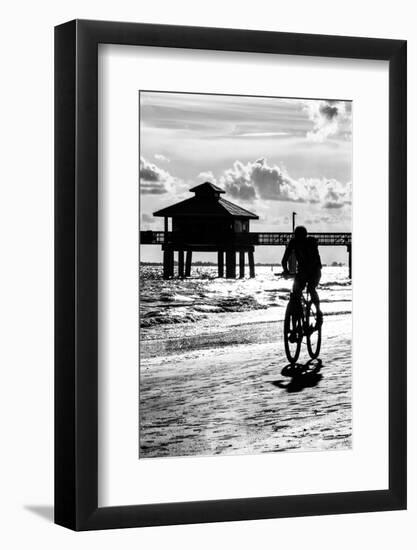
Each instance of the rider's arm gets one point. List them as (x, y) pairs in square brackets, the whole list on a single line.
[(285, 257)]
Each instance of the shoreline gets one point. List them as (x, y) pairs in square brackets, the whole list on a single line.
[(224, 392), (258, 326)]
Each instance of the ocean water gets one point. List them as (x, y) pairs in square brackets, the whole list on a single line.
[(198, 308)]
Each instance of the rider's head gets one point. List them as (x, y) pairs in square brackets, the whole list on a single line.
[(300, 232)]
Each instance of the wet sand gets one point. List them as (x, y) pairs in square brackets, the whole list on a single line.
[(230, 392)]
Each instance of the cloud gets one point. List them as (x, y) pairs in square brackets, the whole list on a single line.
[(261, 134), (259, 180), (237, 181), (268, 182), (328, 193), (207, 176), (154, 180), (161, 158), (147, 218), (272, 183), (320, 220), (329, 118), (251, 182), (337, 195)]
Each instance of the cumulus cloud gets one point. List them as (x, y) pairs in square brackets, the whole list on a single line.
[(161, 158), (272, 183), (237, 181), (329, 193), (337, 194), (262, 181), (329, 118), (154, 180), (207, 176)]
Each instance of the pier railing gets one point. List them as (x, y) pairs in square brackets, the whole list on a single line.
[(241, 239)]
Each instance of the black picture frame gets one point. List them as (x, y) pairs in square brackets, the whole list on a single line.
[(76, 274)]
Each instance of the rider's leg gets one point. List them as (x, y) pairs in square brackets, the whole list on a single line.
[(295, 298), (312, 285), (298, 287), (314, 296)]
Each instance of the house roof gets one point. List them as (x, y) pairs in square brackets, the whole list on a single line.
[(206, 204), (236, 210), (207, 186)]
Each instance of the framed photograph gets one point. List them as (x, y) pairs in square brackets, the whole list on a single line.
[(230, 252)]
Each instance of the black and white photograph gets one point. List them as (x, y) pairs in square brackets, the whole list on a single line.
[(209, 265), (245, 274)]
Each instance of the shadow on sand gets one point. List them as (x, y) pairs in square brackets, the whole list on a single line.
[(301, 376)]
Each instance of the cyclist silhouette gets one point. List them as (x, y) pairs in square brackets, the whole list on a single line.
[(308, 265)]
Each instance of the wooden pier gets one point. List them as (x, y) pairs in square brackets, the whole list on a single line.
[(238, 243), (207, 222)]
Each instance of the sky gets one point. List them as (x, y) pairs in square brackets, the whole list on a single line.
[(272, 156)]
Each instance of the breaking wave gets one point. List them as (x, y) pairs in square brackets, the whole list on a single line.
[(204, 295)]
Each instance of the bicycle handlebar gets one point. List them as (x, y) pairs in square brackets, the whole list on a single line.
[(285, 275)]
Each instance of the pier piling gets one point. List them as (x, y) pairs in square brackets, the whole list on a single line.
[(227, 248), (220, 263), (188, 263), (230, 264), (168, 263), (241, 264), (181, 264), (251, 264), (349, 249)]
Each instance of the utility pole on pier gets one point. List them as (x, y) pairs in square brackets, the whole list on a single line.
[(293, 221)]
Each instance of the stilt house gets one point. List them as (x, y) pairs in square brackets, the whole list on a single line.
[(207, 223)]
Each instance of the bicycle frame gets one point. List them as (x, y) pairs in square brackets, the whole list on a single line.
[(301, 306), (303, 302)]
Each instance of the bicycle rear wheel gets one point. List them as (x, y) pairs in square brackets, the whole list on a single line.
[(293, 331), (313, 324)]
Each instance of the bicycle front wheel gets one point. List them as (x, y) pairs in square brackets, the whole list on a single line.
[(313, 324), (293, 332)]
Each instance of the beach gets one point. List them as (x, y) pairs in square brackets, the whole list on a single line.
[(214, 378)]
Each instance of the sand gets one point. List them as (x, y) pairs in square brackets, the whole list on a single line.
[(231, 392)]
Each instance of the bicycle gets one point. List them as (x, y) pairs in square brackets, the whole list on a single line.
[(302, 319)]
